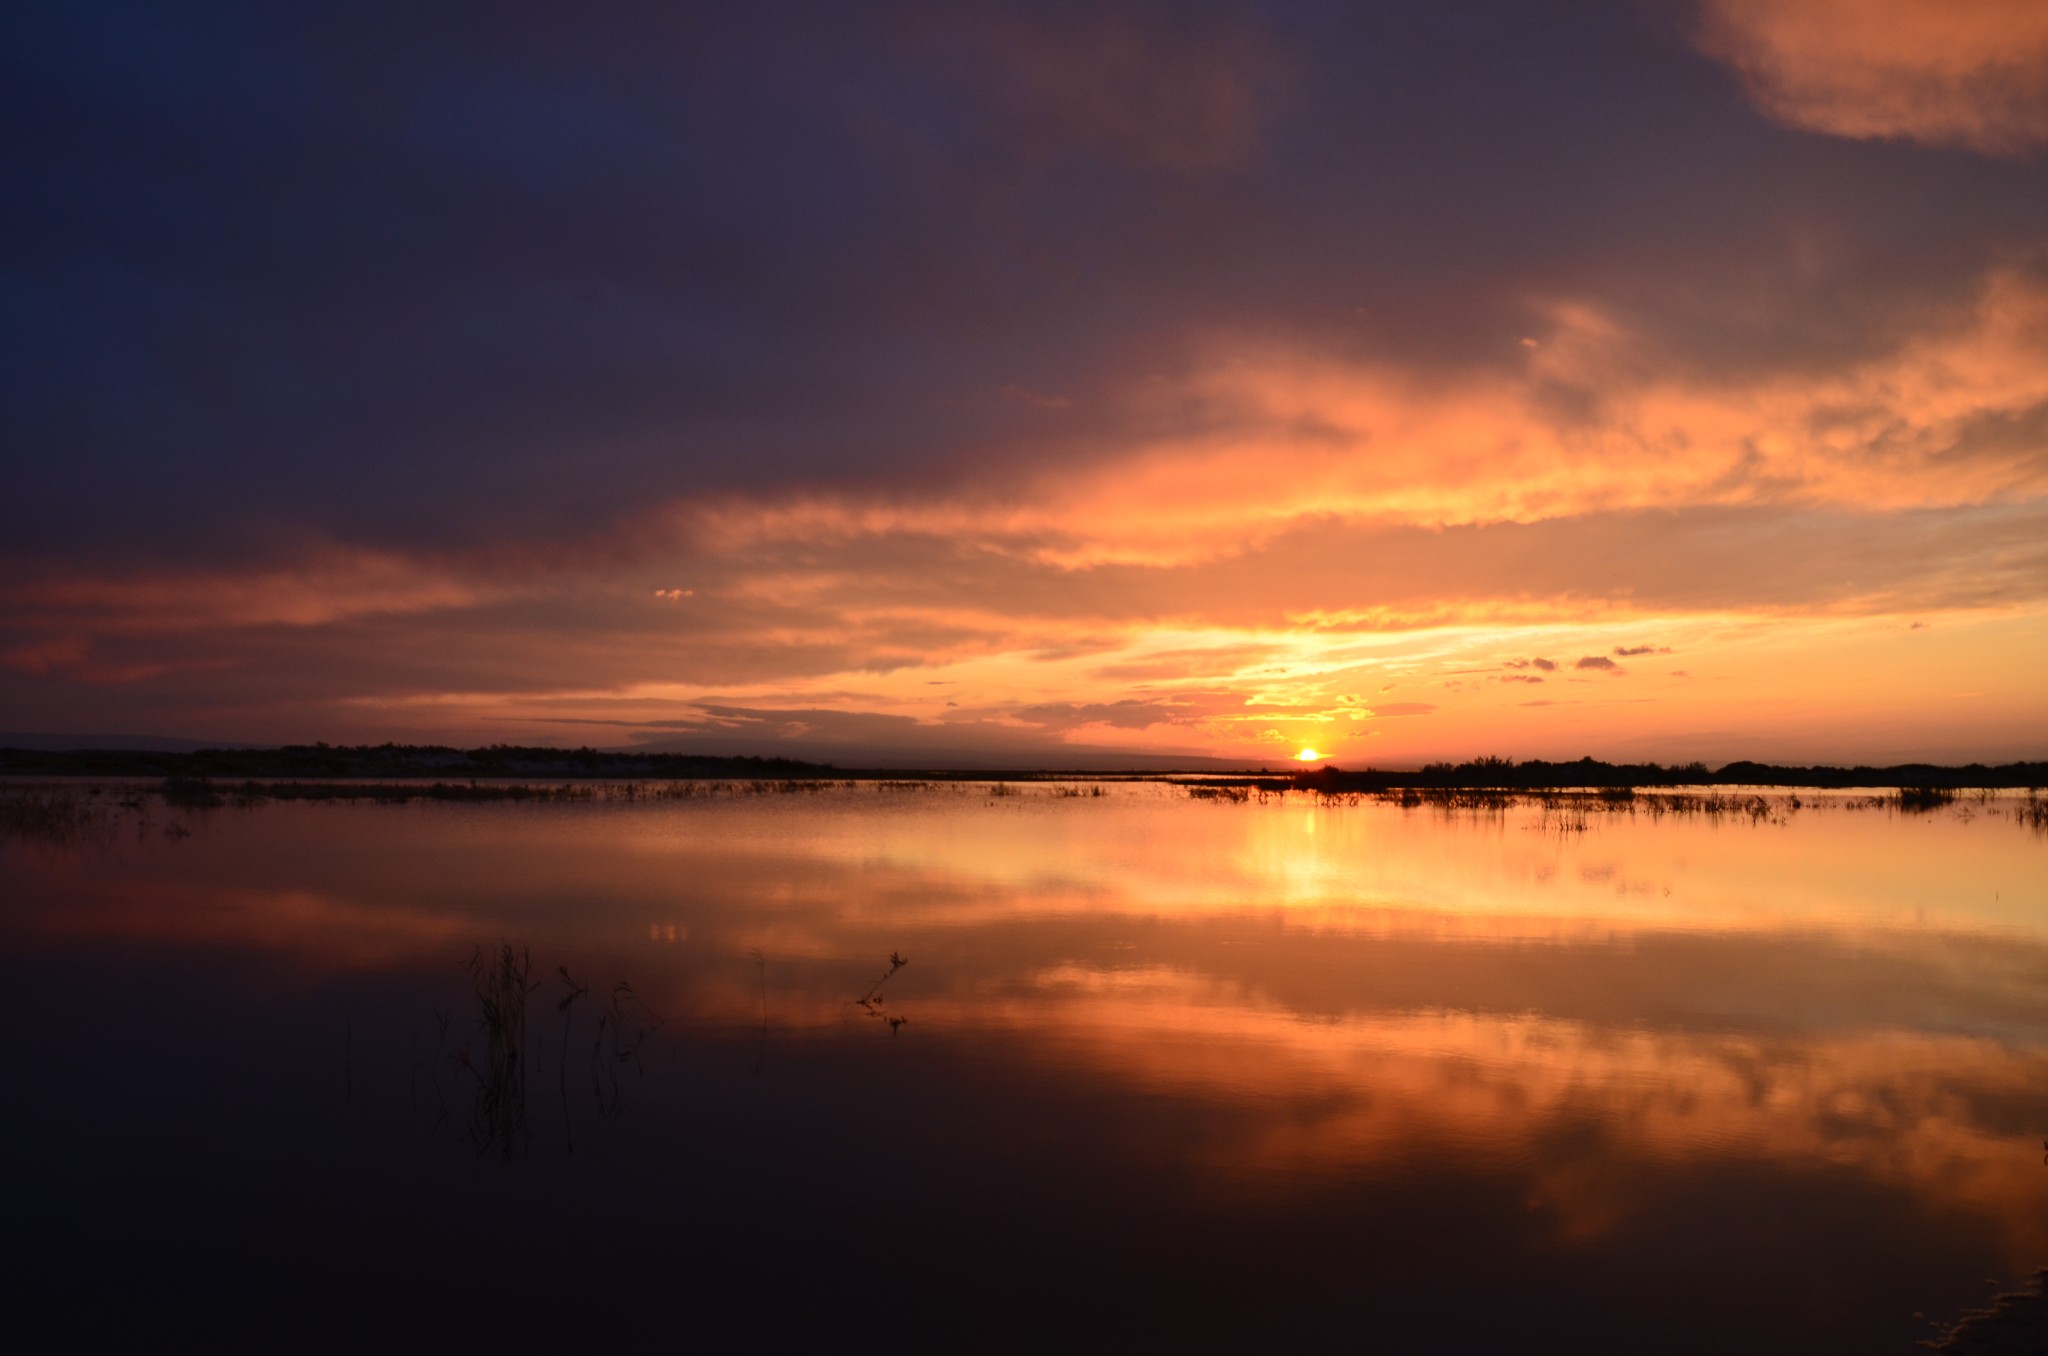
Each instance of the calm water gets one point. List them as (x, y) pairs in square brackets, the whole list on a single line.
[(1220, 1074)]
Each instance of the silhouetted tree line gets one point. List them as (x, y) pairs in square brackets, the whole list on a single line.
[(399, 761), (396, 760)]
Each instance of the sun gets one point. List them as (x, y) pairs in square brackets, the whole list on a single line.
[(1307, 756)]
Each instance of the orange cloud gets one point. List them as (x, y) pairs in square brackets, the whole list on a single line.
[(325, 587), (1276, 529), (1592, 421), (1971, 73)]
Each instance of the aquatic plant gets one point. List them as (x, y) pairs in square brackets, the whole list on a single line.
[(873, 996), (1562, 817), (502, 986), (761, 968), (871, 1001), (54, 814), (194, 793), (622, 1029)]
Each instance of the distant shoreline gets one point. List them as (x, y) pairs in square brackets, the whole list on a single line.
[(406, 762)]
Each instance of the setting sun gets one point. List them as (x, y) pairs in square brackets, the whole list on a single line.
[(1307, 756)]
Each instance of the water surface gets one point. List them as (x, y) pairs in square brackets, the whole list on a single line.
[(1155, 1068)]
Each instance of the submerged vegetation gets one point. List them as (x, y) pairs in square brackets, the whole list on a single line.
[(204, 794), (502, 985), (54, 814), (372, 761), (103, 811), (1504, 774), (493, 1058)]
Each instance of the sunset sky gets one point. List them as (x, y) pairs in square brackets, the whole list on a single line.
[(1031, 384)]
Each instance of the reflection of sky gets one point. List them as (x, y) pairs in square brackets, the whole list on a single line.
[(1851, 990), (1649, 1056)]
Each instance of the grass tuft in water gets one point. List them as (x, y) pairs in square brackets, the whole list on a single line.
[(502, 984)]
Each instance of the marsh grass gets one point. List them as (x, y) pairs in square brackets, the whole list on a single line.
[(191, 793), (1575, 810), (59, 815), (502, 984), (1562, 817), (72, 814), (200, 793), (495, 1060), (623, 1029)]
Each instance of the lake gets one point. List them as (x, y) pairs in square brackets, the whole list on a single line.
[(641, 1072)]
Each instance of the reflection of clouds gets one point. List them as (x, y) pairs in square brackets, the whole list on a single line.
[(1362, 984), (1931, 1114), (319, 930), (797, 875), (1325, 1089)]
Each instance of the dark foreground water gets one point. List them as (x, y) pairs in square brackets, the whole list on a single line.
[(1157, 1070)]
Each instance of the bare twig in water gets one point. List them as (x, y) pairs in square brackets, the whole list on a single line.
[(871, 1001), (874, 994)]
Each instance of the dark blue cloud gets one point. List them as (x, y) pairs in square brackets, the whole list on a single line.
[(421, 277)]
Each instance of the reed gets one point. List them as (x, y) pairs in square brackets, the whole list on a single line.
[(502, 984), (59, 815)]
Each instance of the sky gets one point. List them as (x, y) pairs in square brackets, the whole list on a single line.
[(1032, 384)]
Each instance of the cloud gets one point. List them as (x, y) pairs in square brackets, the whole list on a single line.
[(1172, 93), (1521, 678), (1035, 400), (806, 609), (324, 584), (881, 739), (1951, 413), (1403, 709), (46, 656), (1123, 715), (1074, 356), (1969, 73), (1598, 661), (1632, 651)]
